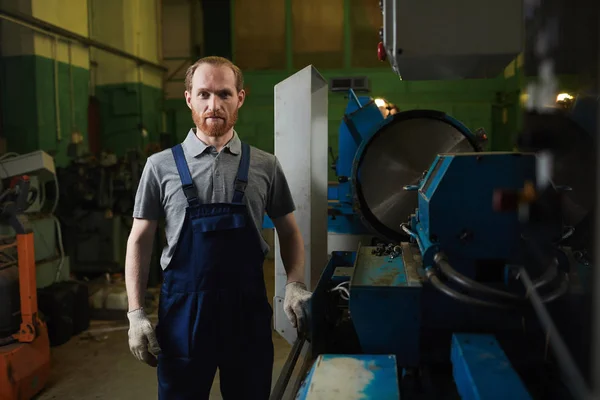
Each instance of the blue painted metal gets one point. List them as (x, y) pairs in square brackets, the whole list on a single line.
[(464, 185), (383, 271), (321, 336), (346, 222), (379, 285), (267, 223), (351, 376), (361, 119), (341, 275), (482, 371), (389, 314), (356, 173), (455, 215)]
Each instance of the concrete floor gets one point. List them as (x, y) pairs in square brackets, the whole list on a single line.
[(96, 365)]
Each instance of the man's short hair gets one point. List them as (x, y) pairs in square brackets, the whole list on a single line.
[(215, 61)]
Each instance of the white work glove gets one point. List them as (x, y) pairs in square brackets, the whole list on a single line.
[(142, 340), (296, 305)]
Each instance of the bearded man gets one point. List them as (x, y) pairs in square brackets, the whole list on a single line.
[(213, 191)]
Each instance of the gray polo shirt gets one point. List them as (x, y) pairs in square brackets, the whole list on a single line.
[(159, 194)]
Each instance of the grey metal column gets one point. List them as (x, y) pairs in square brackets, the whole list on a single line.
[(301, 146)]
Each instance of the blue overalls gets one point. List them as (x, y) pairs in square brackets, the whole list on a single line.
[(213, 308)]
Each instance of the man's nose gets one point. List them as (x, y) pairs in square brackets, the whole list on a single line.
[(214, 103)]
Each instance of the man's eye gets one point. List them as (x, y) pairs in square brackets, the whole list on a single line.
[(204, 95)]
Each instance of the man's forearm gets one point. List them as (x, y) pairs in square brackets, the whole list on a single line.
[(137, 265), (292, 255)]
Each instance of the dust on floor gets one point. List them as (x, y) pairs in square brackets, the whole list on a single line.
[(101, 367), (97, 364)]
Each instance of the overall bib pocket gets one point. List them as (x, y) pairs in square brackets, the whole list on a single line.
[(175, 322)]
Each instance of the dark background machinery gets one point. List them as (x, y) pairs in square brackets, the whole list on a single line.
[(97, 196)]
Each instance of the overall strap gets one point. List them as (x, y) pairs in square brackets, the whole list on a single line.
[(241, 180), (187, 184)]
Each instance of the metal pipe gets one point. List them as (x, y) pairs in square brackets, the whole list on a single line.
[(287, 370), (355, 98), (159, 28), (574, 379), (185, 63), (93, 63), (414, 235), (306, 364), (561, 290), (548, 276), (54, 31), (71, 88), (56, 96)]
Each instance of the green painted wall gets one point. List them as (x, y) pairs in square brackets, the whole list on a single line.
[(28, 108), (19, 108), (28, 104), (508, 108), (470, 101), (130, 96), (120, 106)]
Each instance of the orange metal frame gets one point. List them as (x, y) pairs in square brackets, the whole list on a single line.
[(25, 365)]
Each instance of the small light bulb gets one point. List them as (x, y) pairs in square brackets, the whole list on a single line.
[(380, 102), (563, 97)]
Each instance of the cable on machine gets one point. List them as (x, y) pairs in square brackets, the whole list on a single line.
[(437, 283), (442, 262)]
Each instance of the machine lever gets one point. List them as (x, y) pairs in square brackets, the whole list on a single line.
[(288, 368)]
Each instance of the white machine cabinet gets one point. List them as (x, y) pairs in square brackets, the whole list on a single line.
[(301, 147)]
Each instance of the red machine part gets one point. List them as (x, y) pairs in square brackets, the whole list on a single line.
[(25, 364), (381, 54)]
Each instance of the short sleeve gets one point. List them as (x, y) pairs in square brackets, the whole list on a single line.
[(148, 204), (280, 201)]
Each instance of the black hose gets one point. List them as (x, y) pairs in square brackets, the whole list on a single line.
[(437, 283), (469, 283)]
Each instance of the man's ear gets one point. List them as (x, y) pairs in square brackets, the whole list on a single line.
[(188, 99), (241, 97)]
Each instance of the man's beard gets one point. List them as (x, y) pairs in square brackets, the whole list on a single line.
[(214, 129)]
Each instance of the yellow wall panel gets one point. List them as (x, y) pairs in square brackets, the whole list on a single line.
[(131, 26), (69, 15), (259, 37), (318, 33)]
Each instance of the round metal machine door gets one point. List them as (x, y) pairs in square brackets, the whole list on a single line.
[(398, 155)]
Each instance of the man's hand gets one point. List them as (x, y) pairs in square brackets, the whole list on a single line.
[(142, 340), (295, 305)]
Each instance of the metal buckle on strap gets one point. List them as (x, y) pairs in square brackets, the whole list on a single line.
[(190, 192), (240, 185)]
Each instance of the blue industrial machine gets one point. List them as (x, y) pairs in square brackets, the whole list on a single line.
[(365, 126), (360, 117), (477, 285), (436, 306)]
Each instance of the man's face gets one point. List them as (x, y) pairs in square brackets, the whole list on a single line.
[(214, 100)]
